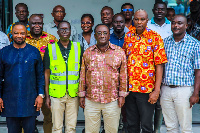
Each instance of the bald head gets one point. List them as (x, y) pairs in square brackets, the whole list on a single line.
[(35, 15), (182, 18), (141, 11), (58, 14), (140, 21), (58, 6), (36, 25)]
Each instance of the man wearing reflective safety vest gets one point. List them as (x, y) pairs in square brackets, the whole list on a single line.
[(62, 65)]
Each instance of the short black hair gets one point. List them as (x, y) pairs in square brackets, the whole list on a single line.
[(36, 15), (127, 4), (64, 21), (109, 8), (88, 15), (117, 15), (170, 9), (160, 2), (18, 23), (100, 25), (21, 4)]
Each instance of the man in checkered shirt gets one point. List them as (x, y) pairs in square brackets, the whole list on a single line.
[(180, 89)]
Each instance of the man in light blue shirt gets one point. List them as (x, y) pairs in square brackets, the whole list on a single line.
[(179, 9), (180, 89)]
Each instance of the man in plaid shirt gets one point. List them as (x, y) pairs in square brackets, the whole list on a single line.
[(180, 89)]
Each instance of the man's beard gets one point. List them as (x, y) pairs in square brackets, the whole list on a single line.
[(19, 43)]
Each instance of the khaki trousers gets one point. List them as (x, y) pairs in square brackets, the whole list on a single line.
[(111, 115), (68, 106), (175, 103)]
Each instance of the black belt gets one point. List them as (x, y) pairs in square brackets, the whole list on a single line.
[(173, 86)]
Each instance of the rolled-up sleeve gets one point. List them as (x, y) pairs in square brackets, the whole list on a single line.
[(123, 76)]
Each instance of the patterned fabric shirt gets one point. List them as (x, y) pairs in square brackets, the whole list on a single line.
[(143, 53), (164, 30), (42, 42), (9, 31), (103, 75), (183, 58)]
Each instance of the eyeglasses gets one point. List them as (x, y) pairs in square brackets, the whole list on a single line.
[(57, 12), (125, 10), (102, 33), (88, 22), (64, 30), (34, 24)]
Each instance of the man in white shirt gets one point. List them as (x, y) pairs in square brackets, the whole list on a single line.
[(160, 24)]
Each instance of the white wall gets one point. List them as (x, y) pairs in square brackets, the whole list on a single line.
[(75, 8)]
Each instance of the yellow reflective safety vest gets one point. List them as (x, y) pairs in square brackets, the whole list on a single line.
[(57, 87)]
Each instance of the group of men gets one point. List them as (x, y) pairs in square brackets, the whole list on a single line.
[(151, 68)]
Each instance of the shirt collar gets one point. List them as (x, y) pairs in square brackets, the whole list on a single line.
[(109, 46), (185, 38), (53, 24), (166, 21), (62, 47), (44, 34), (145, 33), (113, 34)]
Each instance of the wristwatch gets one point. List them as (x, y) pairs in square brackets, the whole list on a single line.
[(41, 95)]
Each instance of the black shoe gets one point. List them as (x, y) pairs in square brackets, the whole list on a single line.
[(83, 131), (103, 131)]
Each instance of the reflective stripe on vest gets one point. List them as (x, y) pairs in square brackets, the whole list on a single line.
[(58, 73), (64, 73), (64, 82)]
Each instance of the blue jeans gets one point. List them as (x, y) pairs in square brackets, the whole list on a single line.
[(14, 124)]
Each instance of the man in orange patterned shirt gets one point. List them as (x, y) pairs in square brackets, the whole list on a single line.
[(145, 54), (40, 39)]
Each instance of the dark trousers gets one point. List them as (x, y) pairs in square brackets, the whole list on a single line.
[(14, 124), (158, 117), (139, 113)]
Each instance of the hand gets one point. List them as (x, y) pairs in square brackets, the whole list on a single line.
[(1, 104), (48, 102), (82, 102), (194, 99), (38, 103), (153, 97), (121, 101)]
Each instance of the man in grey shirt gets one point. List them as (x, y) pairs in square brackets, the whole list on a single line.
[(58, 14)]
